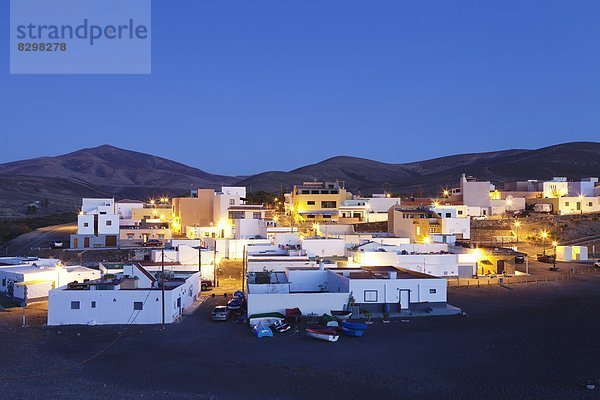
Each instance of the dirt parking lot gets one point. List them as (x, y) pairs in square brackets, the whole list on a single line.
[(534, 341)]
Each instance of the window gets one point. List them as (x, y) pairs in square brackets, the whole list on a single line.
[(236, 215), (334, 192), (256, 215), (310, 203), (433, 291), (232, 202), (310, 216), (306, 192), (85, 224), (314, 192), (460, 212), (75, 305), (138, 305), (326, 216), (328, 204), (370, 296), (566, 204), (448, 215), (590, 204), (108, 223), (93, 304)]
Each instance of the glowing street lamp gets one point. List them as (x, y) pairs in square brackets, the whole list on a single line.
[(517, 226), (427, 240), (544, 235), (446, 193)]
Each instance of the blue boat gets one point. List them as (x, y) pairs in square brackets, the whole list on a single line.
[(353, 332), (358, 326), (261, 331)]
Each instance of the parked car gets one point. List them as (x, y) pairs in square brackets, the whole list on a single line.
[(545, 258), (220, 313), (519, 259), (597, 264), (152, 243), (206, 285), (521, 213), (58, 245)]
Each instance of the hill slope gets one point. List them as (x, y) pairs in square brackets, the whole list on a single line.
[(361, 175), (100, 171)]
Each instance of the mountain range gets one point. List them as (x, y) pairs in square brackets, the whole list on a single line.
[(114, 172)]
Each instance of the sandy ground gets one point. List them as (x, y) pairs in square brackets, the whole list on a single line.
[(534, 341)]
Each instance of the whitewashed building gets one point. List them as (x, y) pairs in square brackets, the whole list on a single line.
[(33, 282), (320, 291), (132, 297)]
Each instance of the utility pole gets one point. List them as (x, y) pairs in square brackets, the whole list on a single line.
[(215, 265), (244, 263), (162, 285), (200, 258)]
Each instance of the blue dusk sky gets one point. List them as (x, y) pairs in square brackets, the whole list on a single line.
[(240, 87)]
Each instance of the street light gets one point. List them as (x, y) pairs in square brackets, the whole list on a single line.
[(517, 225), (509, 204), (446, 193), (544, 235)]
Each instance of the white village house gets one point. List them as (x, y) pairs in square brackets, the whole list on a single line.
[(132, 297)]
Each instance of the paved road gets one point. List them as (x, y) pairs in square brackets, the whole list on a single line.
[(42, 237)]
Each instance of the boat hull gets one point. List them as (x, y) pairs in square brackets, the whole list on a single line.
[(354, 325), (353, 332), (325, 335)]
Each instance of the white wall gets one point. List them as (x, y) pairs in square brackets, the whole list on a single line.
[(280, 265), (388, 290), (82, 220), (457, 226), (318, 303), (324, 247), (286, 239), (116, 306), (441, 265), (249, 228)]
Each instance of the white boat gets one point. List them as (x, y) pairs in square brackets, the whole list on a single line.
[(266, 319), (327, 335)]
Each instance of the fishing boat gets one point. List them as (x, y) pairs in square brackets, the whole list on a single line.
[(341, 315), (353, 332), (328, 335), (261, 331), (281, 327), (267, 319), (328, 320), (236, 303), (359, 326)]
